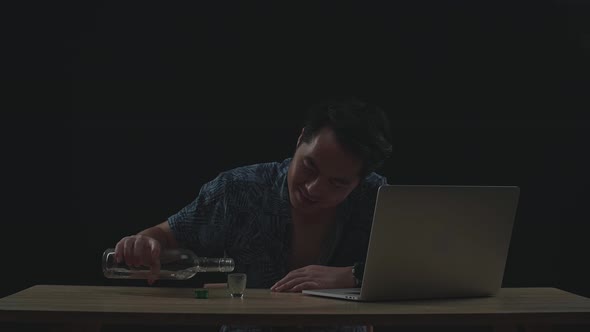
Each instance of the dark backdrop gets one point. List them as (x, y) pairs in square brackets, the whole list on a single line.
[(128, 108)]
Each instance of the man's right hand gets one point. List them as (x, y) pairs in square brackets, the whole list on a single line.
[(140, 250)]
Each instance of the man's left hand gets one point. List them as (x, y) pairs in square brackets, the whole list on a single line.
[(315, 277)]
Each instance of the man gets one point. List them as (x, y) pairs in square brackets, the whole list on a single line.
[(299, 224)]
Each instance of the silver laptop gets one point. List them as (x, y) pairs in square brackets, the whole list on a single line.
[(435, 242)]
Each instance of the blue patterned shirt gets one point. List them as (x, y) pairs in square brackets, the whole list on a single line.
[(245, 214)]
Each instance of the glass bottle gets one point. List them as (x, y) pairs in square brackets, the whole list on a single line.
[(175, 264)]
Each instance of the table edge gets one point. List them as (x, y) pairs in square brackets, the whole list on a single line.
[(124, 318)]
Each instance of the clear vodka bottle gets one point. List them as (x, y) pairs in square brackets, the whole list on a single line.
[(175, 264)]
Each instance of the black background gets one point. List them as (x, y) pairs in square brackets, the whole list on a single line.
[(122, 111)]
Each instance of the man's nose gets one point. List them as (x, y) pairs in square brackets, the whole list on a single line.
[(314, 187)]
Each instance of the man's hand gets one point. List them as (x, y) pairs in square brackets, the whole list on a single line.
[(315, 277), (140, 250)]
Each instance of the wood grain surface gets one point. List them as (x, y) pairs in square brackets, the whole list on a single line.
[(152, 305)]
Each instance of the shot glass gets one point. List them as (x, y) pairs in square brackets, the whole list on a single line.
[(236, 284)]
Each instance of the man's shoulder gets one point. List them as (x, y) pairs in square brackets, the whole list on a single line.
[(256, 174), (374, 181), (250, 185)]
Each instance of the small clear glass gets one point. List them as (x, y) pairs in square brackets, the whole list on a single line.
[(236, 284)]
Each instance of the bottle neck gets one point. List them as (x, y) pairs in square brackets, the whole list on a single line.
[(206, 264)]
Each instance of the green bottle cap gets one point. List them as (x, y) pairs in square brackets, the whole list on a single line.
[(201, 293)]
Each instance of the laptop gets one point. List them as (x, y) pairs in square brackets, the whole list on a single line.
[(432, 242)]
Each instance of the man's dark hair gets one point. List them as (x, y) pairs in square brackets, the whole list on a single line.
[(361, 128)]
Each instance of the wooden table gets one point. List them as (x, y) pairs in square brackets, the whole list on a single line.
[(87, 307)]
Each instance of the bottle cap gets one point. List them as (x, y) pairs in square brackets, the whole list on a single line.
[(201, 293)]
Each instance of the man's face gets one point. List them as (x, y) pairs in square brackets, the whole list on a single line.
[(322, 173)]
